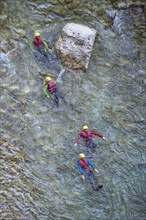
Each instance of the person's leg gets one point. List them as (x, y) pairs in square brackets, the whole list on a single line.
[(90, 148), (87, 148), (93, 180), (42, 51), (93, 147), (62, 97), (96, 185), (90, 177), (94, 144), (56, 97), (59, 95)]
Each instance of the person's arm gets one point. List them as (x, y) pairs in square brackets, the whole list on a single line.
[(97, 134), (31, 44), (45, 45), (80, 168), (92, 165), (77, 139), (46, 91)]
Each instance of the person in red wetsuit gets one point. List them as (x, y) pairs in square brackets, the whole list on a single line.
[(51, 87), (88, 135), (41, 45), (86, 168)]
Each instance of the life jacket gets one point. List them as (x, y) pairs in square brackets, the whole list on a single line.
[(86, 135), (84, 164), (52, 87), (38, 42)]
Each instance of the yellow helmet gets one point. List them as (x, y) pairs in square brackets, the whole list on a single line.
[(37, 34), (48, 79), (81, 156), (85, 127)]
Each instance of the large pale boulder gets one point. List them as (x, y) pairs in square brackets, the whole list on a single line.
[(74, 45)]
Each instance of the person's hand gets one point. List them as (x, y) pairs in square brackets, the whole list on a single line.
[(75, 144), (96, 170), (104, 138), (83, 177)]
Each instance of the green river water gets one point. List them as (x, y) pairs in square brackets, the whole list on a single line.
[(39, 175)]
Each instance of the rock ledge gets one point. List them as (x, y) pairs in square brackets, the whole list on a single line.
[(74, 45)]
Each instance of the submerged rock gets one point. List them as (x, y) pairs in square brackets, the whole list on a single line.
[(74, 45)]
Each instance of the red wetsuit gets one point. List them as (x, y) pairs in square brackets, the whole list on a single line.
[(52, 87), (88, 135), (84, 164), (38, 41)]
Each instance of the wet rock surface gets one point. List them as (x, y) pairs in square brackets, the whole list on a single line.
[(39, 177)]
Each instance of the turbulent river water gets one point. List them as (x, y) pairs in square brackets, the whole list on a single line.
[(39, 175)]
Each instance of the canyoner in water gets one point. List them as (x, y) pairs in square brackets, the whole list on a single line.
[(51, 87), (87, 135), (41, 44), (86, 168)]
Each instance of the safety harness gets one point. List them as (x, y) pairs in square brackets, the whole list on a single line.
[(52, 87), (86, 135), (38, 42), (84, 164)]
